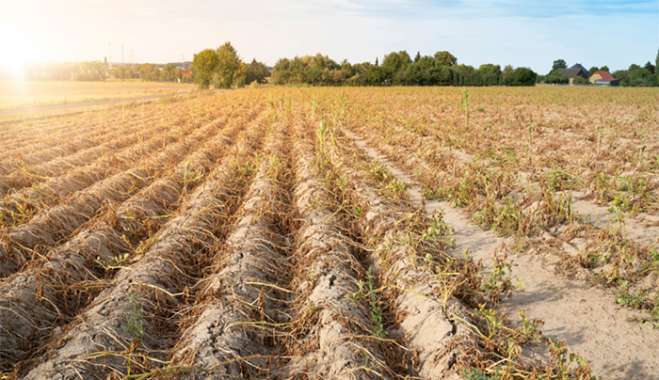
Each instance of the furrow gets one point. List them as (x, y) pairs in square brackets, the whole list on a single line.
[(28, 176), (128, 326), (16, 160), (63, 126), (142, 213), (333, 334), (232, 329), (19, 207), (539, 215), (51, 292), (48, 228), (547, 296), (536, 204), (91, 123), (427, 322)]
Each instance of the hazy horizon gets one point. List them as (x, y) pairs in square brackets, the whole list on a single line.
[(616, 33)]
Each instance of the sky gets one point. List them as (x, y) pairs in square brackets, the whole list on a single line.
[(530, 33)]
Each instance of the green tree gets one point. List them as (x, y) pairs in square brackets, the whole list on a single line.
[(523, 76), (343, 73), (204, 65), (394, 65), (149, 72), (122, 72), (593, 69), (466, 75), (256, 72), (169, 73), (649, 67), (556, 77), (367, 74), (639, 76), (620, 75), (490, 74), (423, 72), (228, 66), (281, 72), (581, 81), (507, 75), (559, 64), (314, 70), (445, 58), (240, 76)]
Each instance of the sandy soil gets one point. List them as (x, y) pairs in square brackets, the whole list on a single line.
[(583, 316)]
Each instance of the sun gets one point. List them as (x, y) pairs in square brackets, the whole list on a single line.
[(15, 69), (15, 53)]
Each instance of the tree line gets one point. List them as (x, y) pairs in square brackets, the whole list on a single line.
[(222, 68), (639, 76), (100, 71), (635, 76)]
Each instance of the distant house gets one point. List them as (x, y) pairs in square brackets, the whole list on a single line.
[(576, 71), (603, 78), (185, 76)]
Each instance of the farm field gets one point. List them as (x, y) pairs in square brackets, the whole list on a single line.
[(338, 233), (36, 95)]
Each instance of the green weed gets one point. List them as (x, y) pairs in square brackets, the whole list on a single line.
[(134, 326), (369, 291), (558, 179)]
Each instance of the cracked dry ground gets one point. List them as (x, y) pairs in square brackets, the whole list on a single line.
[(335, 233)]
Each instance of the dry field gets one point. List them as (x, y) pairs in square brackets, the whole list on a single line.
[(335, 233), (39, 98)]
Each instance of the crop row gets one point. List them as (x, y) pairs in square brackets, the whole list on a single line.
[(143, 296), (277, 237), (42, 294)]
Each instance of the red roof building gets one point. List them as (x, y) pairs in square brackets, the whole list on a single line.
[(603, 78)]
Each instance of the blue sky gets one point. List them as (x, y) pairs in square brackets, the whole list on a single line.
[(523, 33)]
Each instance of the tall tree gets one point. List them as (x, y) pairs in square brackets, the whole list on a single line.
[(490, 75), (169, 73), (445, 58), (256, 72), (228, 66), (507, 75), (523, 76), (559, 64), (204, 65), (394, 65), (149, 71), (649, 67)]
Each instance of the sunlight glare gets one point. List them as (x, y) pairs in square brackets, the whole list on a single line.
[(16, 52)]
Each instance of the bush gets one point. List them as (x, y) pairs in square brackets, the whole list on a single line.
[(523, 76), (581, 81)]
